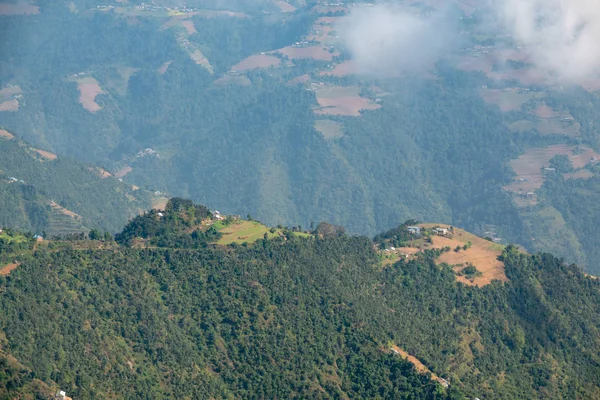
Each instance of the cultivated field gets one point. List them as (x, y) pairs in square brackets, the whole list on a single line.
[(483, 254), (315, 52), (528, 166), (9, 98), (6, 134), (548, 126), (160, 203), (244, 231), (346, 68), (18, 9), (340, 100), (329, 129), (89, 89), (46, 154), (257, 61), (10, 105)]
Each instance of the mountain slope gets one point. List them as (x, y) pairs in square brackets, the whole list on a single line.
[(296, 316), (42, 193)]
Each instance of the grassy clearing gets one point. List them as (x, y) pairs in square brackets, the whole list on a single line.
[(16, 239), (329, 129), (244, 231)]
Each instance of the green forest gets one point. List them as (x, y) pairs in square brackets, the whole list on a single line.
[(288, 317)]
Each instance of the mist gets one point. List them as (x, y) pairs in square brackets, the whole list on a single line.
[(561, 36), (386, 39)]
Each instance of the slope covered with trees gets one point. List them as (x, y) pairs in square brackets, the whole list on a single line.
[(297, 317)]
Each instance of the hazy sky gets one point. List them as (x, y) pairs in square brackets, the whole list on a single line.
[(561, 36)]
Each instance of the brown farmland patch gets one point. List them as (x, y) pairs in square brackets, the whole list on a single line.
[(189, 27), (528, 166), (419, 366), (46, 154), (64, 211), (123, 171), (7, 269), (89, 89), (6, 134), (163, 68), (18, 9), (316, 52), (284, 6), (257, 61), (322, 9), (483, 254), (10, 105)]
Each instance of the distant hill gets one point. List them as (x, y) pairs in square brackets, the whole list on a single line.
[(42, 193), (172, 313)]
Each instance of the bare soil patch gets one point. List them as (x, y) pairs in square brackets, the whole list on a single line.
[(528, 166), (316, 52), (163, 68), (46, 154), (257, 61), (123, 171), (6, 134), (285, 7), (7, 269), (160, 203), (89, 89), (10, 105), (18, 9)]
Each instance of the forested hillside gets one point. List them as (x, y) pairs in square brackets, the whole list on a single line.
[(259, 107), (45, 194), (291, 316)]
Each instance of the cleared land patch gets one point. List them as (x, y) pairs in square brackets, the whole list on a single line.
[(419, 366), (329, 129), (284, 6), (123, 171), (89, 89), (508, 99), (163, 68), (528, 166), (46, 154), (189, 27), (7, 269), (233, 80), (6, 134), (348, 67), (257, 61), (244, 231), (340, 100), (9, 98), (64, 211), (18, 9)]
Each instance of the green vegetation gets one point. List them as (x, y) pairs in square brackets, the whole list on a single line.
[(290, 317), (61, 196)]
